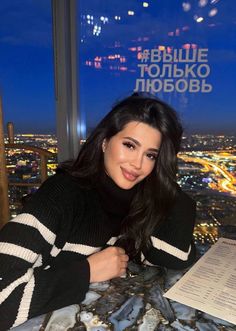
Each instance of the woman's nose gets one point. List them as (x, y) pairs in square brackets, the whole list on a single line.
[(137, 161)]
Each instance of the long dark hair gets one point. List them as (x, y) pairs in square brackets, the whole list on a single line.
[(158, 191)]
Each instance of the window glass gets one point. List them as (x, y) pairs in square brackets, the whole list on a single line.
[(27, 90), (184, 52)]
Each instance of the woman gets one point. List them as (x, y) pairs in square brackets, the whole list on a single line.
[(118, 200)]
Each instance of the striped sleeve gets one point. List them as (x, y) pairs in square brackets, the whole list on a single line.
[(27, 287), (172, 243)]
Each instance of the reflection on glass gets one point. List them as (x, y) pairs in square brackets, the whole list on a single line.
[(184, 52)]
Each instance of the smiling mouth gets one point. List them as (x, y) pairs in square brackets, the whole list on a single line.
[(129, 175)]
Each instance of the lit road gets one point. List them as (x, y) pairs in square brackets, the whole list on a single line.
[(225, 181)]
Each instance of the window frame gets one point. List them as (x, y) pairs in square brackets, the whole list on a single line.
[(66, 80)]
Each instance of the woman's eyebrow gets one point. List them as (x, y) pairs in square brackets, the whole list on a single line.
[(138, 144), (134, 140)]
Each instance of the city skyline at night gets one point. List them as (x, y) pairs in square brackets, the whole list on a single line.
[(207, 171), (118, 226)]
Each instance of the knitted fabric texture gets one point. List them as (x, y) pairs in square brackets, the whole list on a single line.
[(43, 250)]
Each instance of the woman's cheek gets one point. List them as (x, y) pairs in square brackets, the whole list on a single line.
[(123, 154)]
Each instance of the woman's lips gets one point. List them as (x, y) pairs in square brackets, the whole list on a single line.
[(131, 176)]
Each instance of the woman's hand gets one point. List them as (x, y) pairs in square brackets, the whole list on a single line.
[(107, 264)]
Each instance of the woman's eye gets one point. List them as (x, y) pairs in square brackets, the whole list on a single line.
[(129, 145), (152, 156)]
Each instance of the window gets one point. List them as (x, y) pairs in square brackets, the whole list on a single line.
[(27, 89), (184, 52)]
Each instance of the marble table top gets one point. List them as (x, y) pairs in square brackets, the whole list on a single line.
[(135, 302)]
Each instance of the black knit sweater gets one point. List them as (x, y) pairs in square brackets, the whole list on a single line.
[(43, 250)]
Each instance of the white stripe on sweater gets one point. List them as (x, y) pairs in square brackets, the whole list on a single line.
[(18, 251), (23, 310), (55, 251), (38, 262), (112, 240), (30, 220), (172, 250), (81, 249), (4, 294)]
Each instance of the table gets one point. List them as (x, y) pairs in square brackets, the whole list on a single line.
[(135, 302)]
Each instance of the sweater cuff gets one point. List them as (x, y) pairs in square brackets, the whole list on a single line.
[(81, 276)]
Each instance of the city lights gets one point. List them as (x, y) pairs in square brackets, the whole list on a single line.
[(186, 6), (96, 30), (130, 13), (213, 12), (198, 19), (207, 169), (202, 3), (104, 19)]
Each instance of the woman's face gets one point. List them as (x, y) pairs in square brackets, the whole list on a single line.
[(130, 155)]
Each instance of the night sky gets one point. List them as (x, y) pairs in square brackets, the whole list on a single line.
[(26, 59)]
